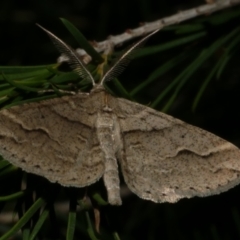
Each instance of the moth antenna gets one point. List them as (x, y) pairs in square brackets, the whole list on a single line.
[(123, 61), (74, 61)]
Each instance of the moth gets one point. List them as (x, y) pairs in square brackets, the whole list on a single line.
[(75, 140)]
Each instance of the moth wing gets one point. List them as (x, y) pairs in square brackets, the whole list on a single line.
[(53, 138), (166, 159)]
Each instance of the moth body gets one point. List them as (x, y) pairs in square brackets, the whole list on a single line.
[(109, 136)]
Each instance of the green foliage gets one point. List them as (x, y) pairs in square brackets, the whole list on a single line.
[(84, 44)]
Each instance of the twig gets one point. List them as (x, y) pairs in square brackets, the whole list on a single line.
[(149, 27)]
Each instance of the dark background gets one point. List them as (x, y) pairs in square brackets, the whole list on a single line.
[(96, 20), (22, 43)]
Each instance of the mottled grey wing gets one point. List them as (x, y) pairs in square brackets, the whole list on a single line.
[(166, 159), (53, 138)]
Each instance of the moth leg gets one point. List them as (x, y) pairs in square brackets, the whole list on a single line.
[(60, 90), (107, 135)]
